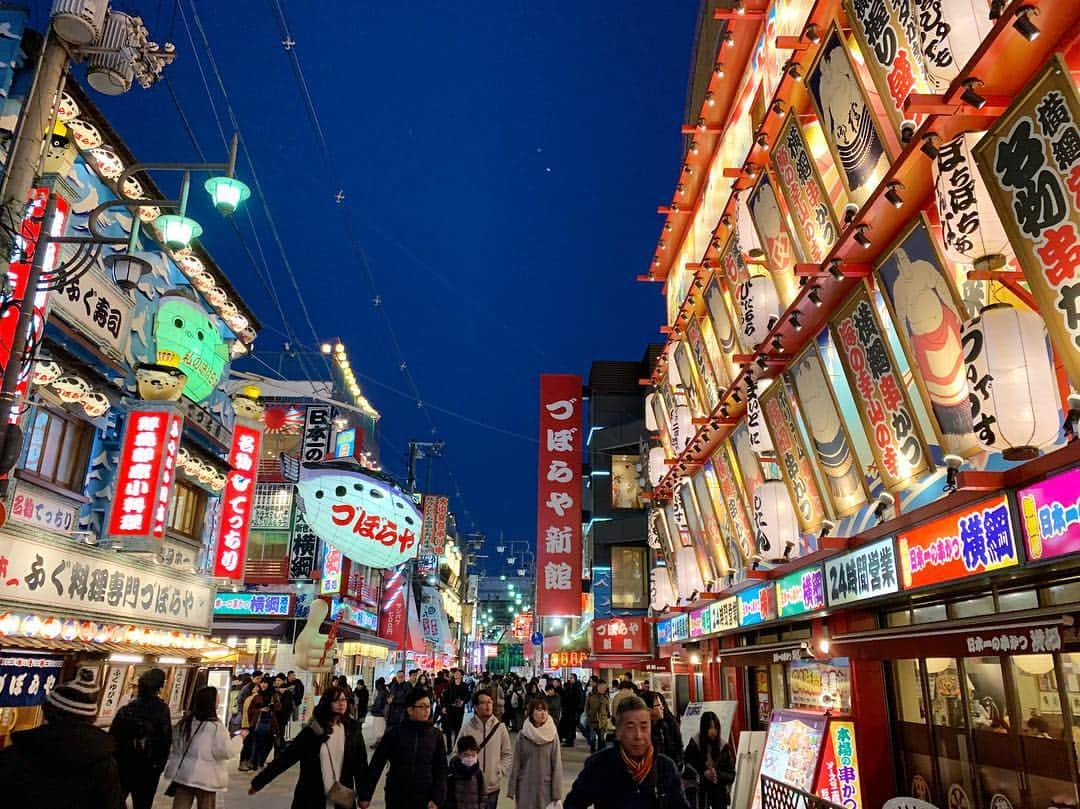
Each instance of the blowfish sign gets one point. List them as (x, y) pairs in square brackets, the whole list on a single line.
[(368, 519)]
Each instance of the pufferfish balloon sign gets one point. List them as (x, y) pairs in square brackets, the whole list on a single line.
[(366, 517)]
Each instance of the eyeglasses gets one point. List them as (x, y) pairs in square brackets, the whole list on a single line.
[(422, 706)]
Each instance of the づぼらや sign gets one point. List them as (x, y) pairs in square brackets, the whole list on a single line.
[(627, 635)]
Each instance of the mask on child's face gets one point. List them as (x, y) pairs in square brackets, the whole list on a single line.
[(469, 759)]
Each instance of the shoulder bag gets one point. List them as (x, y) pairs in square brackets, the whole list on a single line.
[(338, 794), (170, 790)]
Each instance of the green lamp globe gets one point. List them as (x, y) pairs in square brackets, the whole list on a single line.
[(227, 193), (177, 231)]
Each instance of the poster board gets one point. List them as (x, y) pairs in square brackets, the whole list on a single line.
[(690, 723), (792, 750), (747, 762)]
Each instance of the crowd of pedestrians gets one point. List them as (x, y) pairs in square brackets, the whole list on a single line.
[(444, 741)]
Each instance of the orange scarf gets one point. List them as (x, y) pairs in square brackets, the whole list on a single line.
[(638, 769)]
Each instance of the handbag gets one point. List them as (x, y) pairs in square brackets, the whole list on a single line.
[(170, 790), (339, 794)]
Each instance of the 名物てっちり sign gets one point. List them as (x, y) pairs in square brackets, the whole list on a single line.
[(236, 502)]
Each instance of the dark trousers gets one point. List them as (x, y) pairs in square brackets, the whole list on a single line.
[(492, 800), (248, 746), (568, 728), (264, 740), (142, 789)]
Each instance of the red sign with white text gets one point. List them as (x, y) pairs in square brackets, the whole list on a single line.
[(236, 502), (392, 616), (145, 477), (620, 636), (558, 518)]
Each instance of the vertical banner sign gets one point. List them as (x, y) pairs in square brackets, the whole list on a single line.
[(427, 524), (18, 275), (844, 482), (774, 230), (792, 459), (392, 610), (145, 477), (442, 508), (723, 327), (315, 442), (236, 502), (558, 521), (838, 773), (1030, 160), (898, 447), (729, 504), (303, 547), (815, 221), (696, 341), (847, 118)]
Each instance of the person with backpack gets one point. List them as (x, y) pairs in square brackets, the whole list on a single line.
[(196, 766), (496, 753), (142, 733)]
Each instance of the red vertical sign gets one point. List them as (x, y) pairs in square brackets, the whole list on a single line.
[(558, 517), (145, 476), (392, 612), (236, 503)]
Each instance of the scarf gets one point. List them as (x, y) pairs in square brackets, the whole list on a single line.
[(638, 769), (544, 734)]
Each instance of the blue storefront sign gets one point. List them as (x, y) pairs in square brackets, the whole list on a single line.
[(25, 679)]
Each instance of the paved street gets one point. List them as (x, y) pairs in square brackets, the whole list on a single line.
[(278, 795)]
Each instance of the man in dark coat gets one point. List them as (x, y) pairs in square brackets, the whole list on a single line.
[(573, 702), (142, 733), (397, 691), (454, 698), (66, 763), (629, 774), (417, 758)]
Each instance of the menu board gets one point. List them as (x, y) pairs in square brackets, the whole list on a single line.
[(970, 541), (791, 750), (1050, 516), (818, 684)]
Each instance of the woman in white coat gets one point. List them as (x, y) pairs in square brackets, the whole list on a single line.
[(536, 777), (200, 750)]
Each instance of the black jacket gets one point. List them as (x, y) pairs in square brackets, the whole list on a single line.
[(667, 738), (396, 693), (306, 748), (142, 733), (604, 783), (712, 793), (361, 695), (455, 692), (465, 786), (378, 705), (63, 765), (417, 758)]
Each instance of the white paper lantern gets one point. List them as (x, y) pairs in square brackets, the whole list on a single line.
[(682, 427), (954, 29), (970, 227), (777, 522), (760, 440), (661, 593), (650, 414), (749, 242), (759, 308), (1011, 382), (657, 467), (687, 573)]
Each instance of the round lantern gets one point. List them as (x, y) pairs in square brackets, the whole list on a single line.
[(759, 308), (661, 593), (777, 522), (687, 573), (760, 440), (650, 414), (970, 228), (657, 467), (682, 427), (1011, 382), (961, 26)]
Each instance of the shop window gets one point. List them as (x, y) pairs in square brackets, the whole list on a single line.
[(900, 618), (1017, 600), (272, 507), (629, 578), (984, 605), (928, 614), (58, 449), (268, 545), (1038, 698), (946, 706), (909, 693), (186, 510), (1068, 593), (625, 491), (917, 776), (986, 695)]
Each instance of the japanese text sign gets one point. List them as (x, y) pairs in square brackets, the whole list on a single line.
[(1023, 640), (332, 575), (93, 303), (724, 614), (269, 604), (673, 629), (700, 622), (145, 477), (802, 591), (815, 221), (43, 509), (433, 527), (236, 502), (558, 523), (26, 678), (392, 614), (838, 773), (315, 440), (629, 635), (973, 540), (1030, 160), (878, 388), (792, 458), (757, 604), (1050, 516), (866, 572), (303, 547)]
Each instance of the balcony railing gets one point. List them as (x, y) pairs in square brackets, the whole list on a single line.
[(266, 571), (778, 795)]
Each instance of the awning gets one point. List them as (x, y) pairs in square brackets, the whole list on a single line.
[(105, 647), (626, 662), (256, 628), (346, 632), (765, 653), (1039, 631)]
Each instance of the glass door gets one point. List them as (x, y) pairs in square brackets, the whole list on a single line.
[(998, 763), (1048, 695), (949, 729)]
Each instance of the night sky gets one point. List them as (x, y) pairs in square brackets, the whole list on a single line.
[(501, 164)]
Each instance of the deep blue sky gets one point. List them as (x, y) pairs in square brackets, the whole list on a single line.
[(502, 162)]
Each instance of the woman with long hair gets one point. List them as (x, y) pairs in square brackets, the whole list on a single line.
[(330, 749), (263, 723), (378, 710), (200, 748), (713, 760), (536, 776)]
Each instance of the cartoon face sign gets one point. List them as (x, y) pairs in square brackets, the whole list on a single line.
[(188, 340), (368, 520), (71, 389), (95, 404), (247, 407), (159, 383), (45, 372)]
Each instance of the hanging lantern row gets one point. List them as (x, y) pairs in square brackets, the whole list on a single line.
[(174, 230), (199, 470), (341, 357), (69, 388)]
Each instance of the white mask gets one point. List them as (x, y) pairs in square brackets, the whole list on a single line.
[(469, 759)]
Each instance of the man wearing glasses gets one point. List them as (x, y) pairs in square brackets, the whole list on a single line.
[(417, 757)]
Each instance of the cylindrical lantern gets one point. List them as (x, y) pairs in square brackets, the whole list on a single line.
[(682, 427), (950, 32), (759, 308), (661, 593), (650, 414), (970, 227), (687, 573), (777, 522), (657, 467), (1011, 382)]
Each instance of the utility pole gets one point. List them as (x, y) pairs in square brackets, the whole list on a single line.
[(417, 450)]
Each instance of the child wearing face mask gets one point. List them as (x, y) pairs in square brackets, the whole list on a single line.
[(464, 778)]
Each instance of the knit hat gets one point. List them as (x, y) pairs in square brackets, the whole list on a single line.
[(78, 697)]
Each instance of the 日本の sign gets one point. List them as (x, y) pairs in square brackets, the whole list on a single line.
[(863, 573), (628, 635), (144, 477), (1030, 160), (802, 591), (315, 439), (1050, 516), (973, 540), (236, 502), (558, 554), (757, 604)]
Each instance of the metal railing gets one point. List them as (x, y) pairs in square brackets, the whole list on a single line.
[(778, 795)]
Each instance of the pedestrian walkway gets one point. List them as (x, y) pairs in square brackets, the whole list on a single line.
[(278, 794)]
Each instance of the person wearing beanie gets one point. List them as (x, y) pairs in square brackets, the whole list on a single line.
[(142, 733), (65, 763)]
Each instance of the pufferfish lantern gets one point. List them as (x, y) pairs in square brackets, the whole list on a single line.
[(45, 372), (158, 382), (71, 389), (95, 404), (246, 403), (187, 339)]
